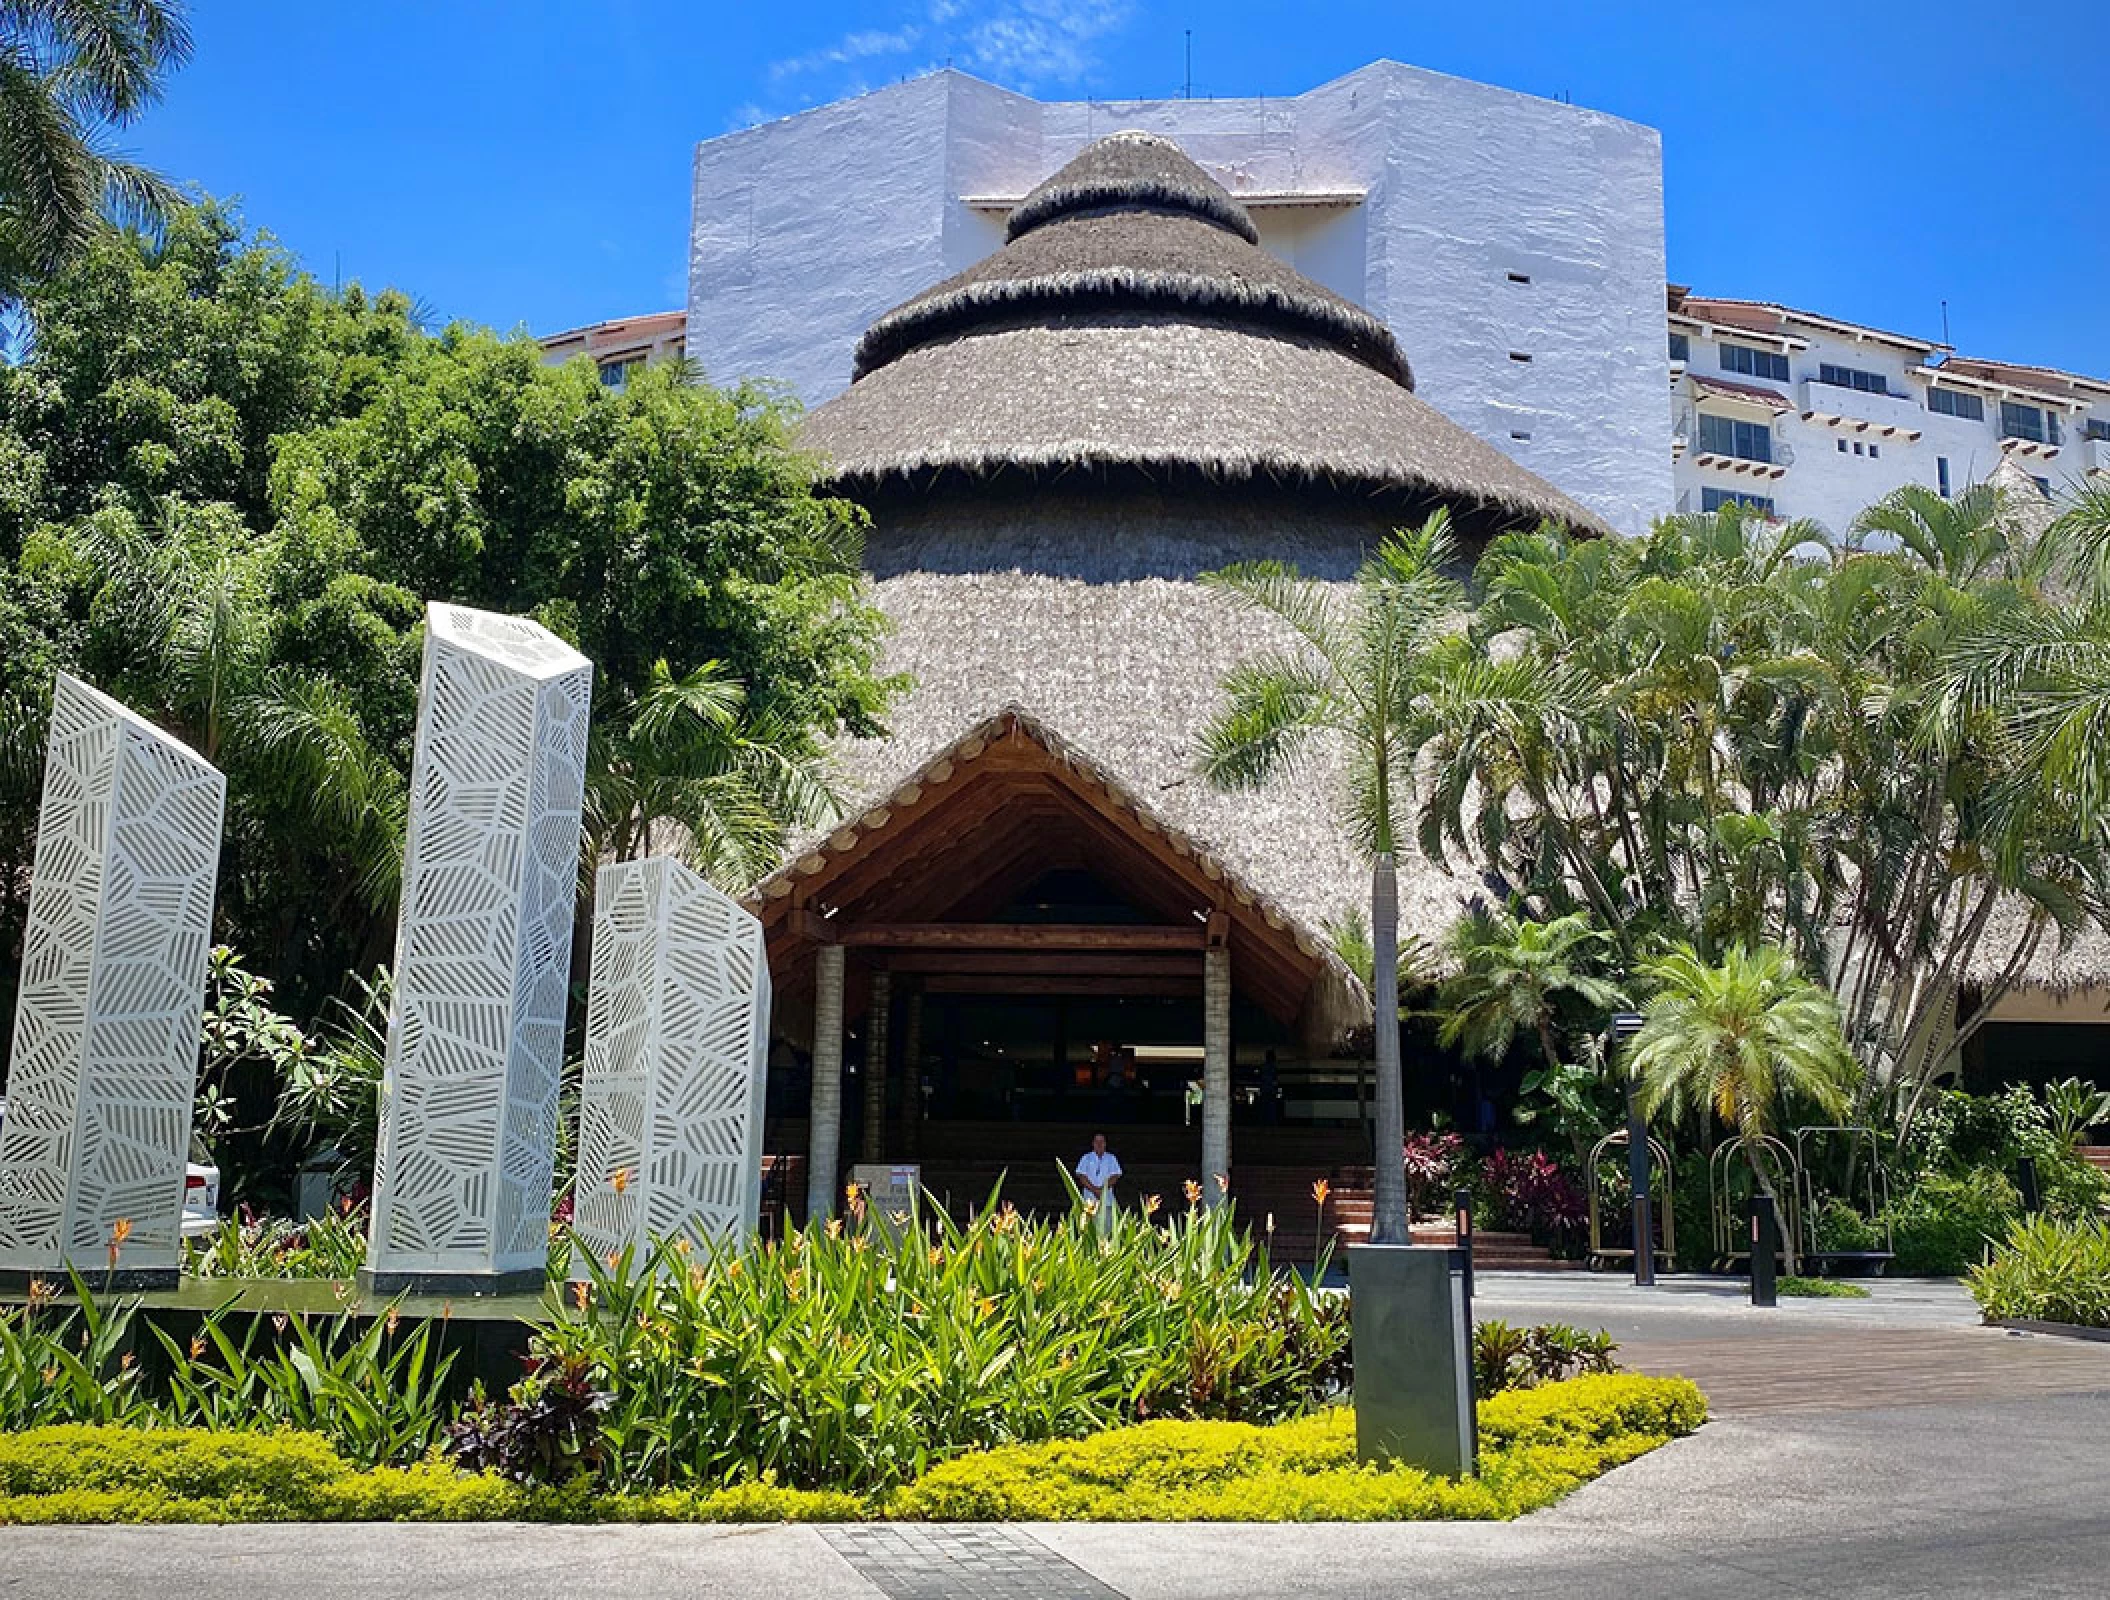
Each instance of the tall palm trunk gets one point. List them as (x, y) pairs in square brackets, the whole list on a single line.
[(1388, 1212)]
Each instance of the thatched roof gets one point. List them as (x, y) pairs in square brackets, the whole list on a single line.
[(1132, 327), (1337, 1001), (1130, 672)]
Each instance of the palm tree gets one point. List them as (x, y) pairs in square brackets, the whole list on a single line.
[(691, 762), (1512, 977), (1350, 677), (71, 73), (1736, 1040)]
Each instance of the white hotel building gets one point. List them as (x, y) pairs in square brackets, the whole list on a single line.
[(1806, 416), (1514, 245)]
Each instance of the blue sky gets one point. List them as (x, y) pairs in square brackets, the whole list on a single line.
[(526, 163)]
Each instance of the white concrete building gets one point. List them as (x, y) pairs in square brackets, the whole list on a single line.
[(1514, 245), (1806, 416)]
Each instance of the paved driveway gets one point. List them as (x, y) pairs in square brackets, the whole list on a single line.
[(1883, 1448)]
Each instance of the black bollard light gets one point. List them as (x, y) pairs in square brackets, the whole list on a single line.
[(1462, 1202), (1765, 1245), (1625, 1025), (2029, 1185)]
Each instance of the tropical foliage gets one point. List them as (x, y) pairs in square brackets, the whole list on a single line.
[(1738, 734), (72, 73), (2048, 1271), (226, 492)]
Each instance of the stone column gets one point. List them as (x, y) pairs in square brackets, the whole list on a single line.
[(912, 1075), (1216, 1071), (879, 1026), (677, 1040), (483, 960), (97, 1133), (825, 1120)]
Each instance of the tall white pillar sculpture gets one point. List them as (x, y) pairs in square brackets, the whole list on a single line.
[(677, 1041), (105, 1069), (483, 955)]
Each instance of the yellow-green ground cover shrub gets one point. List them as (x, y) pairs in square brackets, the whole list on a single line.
[(1535, 1446), (103, 1473)]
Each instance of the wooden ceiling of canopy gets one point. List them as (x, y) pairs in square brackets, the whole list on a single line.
[(914, 882)]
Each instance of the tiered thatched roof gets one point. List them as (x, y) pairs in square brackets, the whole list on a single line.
[(1133, 329)]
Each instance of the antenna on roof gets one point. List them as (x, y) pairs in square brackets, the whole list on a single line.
[(1945, 322), (1187, 93)]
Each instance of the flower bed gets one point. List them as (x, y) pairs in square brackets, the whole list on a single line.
[(1536, 1446)]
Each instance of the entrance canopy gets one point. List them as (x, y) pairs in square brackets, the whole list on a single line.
[(968, 875)]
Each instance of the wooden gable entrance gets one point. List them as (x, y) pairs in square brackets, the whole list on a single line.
[(1012, 866)]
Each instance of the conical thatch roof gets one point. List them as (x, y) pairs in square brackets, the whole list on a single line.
[(1131, 328)]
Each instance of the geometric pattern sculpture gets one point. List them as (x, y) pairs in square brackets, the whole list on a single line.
[(677, 1041), (475, 1053), (97, 1133)]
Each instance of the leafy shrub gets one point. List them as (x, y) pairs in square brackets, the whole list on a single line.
[(1840, 1229), (332, 1246), (546, 1431), (846, 1359), (377, 1393), (1945, 1225), (115, 1474), (1506, 1357), (1534, 1194), (1536, 1446), (2047, 1271), (1432, 1160)]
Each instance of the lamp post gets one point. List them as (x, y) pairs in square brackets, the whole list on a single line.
[(1625, 1025)]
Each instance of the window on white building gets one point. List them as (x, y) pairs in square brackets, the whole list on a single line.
[(1755, 363), (1941, 475), (1955, 403), (1852, 378), (1875, 450), (1842, 447), (2018, 421), (1730, 436), (2095, 428), (1715, 499)]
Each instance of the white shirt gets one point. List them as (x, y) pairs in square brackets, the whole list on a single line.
[(1097, 1166)]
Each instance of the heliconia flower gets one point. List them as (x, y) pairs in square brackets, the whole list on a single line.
[(1320, 1189), (621, 1180), (580, 1294), (1194, 1192), (1150, 1205), (1223, 1183)]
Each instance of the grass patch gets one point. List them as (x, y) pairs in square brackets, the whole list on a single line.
[(1536, 1446), (1819, 1289)]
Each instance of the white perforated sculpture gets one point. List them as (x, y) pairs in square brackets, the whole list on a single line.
[(105, 1069), (677, 1036), (483, 954)]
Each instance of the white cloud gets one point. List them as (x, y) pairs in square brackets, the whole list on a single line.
[(864, 45), (1025, 44)]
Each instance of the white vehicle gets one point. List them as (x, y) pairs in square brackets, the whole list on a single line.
[(201, 1187)]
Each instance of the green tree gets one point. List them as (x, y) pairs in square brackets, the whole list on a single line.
[(1736, 1040), (72, 72), (1346, 682), (1733, 732), (1516, 977)]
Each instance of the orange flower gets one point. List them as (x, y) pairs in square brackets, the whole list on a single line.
[(1150, 1205), (1320, 1190), (1194, 1193), (395, 1320), (621, 1180), (580, 1294), (120, 1231), (1223, 1183), (197, 1345)]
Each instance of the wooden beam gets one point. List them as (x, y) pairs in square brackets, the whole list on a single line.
[(1166, 988), (1025, 936), (1030, 964)]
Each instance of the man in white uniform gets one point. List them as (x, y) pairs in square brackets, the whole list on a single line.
[(1097, 1170)]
